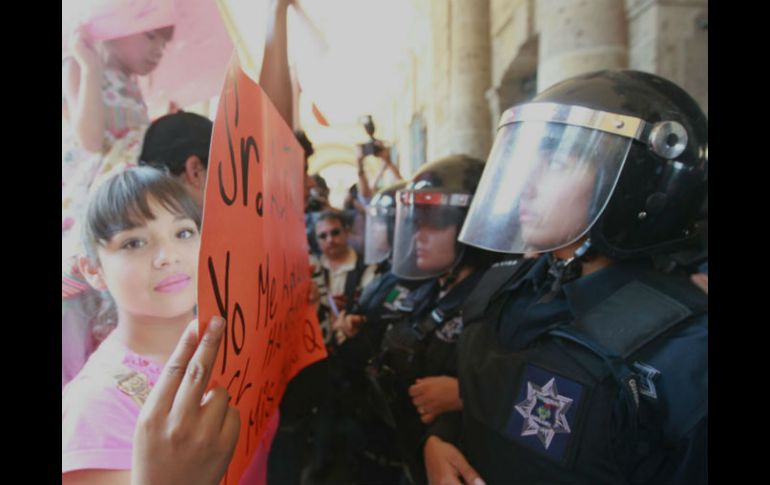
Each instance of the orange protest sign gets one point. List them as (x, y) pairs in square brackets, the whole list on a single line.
[(253, 268)]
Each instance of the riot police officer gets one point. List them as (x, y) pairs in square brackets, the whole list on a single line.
[(412, 375), (381, 224), (361, 329), (587, 364), (379, 298)]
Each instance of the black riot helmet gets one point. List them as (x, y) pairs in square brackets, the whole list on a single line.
[(381, 224), (619, 156), (430, 211)]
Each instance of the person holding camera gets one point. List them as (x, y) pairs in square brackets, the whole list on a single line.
[(361, 193), (376, 148)]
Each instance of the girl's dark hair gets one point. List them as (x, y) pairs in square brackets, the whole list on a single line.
[(122, 203)]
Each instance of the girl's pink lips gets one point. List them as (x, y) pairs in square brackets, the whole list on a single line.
[(173, 283)]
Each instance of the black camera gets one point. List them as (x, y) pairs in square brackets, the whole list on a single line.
[(374, 146), (371, 148)]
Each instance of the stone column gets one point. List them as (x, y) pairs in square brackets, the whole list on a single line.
[(671, 39), (459, 119), (438, 127), (470, 77), (579, 36)]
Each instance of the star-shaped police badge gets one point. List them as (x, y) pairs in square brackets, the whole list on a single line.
[(544, 412)]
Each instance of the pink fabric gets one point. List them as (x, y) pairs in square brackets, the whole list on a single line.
[(98, 419), (110, 19), (200, 44)]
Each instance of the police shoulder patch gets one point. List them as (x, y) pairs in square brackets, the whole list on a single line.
[(544, 412)]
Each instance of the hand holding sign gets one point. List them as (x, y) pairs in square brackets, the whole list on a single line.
[(183, 436)]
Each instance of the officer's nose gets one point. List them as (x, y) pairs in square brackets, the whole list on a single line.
[(529, 188), (422, 234)]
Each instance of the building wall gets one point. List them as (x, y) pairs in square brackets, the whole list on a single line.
[(535, 43), (514, 52), (578, 37), (670, 38)]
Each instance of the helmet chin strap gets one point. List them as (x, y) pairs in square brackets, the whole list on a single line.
[(452, 274), (565, 270)]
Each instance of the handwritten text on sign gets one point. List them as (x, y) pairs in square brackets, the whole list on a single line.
[(253, 263)]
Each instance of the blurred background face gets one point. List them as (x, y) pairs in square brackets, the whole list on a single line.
[(140, 53), (555, 202), (435, 246), (332, 238)]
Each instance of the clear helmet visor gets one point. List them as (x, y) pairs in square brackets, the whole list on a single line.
[(425, 241), (544, 185), (379, 234)]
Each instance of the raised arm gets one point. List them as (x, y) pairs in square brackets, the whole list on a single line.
[(82, 79), (275, 78), (385, 155), (363, 183)]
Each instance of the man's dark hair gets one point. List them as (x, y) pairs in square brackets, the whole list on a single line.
[(172, 139), (321, 183), (334, 215)]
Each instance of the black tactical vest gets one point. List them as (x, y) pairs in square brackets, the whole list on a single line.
[(578, 404)]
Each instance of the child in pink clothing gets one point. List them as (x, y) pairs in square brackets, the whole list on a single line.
[(141, 236), (104, 118), (110, 390), (101, 405)]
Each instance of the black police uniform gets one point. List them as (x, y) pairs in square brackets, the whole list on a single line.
[(374, 459), (604, 380), (421, 343), (378, 305)]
